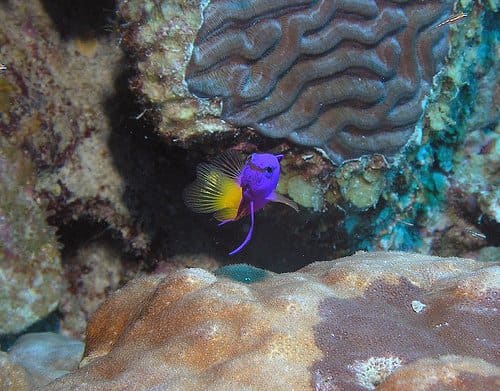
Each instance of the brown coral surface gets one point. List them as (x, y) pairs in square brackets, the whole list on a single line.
[(346, 324), (346, 76), (445, 373)]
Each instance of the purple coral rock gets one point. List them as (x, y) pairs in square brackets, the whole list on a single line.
[(346, 76)]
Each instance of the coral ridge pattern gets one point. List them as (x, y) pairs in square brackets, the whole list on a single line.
[(348, 77)]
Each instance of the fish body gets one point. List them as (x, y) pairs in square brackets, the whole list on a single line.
[(233, 187), (258, 179)]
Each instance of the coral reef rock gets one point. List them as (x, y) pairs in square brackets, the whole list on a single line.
[(347, 324), (348, 77), (46, 356), (55, 103), (94, 271), (30, 264), (445, 373), (159, 35), (53, 92), (13, 377), (479, 177)]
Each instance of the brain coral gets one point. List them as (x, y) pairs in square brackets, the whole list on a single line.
[(341, 325), (346, 76)]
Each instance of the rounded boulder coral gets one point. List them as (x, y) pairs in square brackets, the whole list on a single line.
[(346, 324)]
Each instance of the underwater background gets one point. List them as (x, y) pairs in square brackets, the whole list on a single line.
[(387, 117)]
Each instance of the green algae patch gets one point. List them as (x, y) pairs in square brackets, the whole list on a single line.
[(362, 182), (242, 272), (7, 90), (304, 193)]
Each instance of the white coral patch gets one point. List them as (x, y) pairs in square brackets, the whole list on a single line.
[(372, 372), (418, 306)]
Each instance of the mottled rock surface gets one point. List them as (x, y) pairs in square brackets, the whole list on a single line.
[(30, 264), (46, 356), (347, 324), (54, 86), (478, 179), (13, 377), (159, 36), (346, 76), (90, 274), (56, 103)]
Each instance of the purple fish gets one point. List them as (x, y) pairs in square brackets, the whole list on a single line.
[(233, 186)]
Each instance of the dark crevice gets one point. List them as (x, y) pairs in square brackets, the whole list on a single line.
[(78, 233), (155, 174), (81, 18), (50, 323)]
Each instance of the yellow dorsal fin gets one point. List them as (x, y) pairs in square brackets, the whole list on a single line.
[(213, 191)]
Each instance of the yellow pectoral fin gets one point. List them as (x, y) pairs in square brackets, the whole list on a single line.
[(213, 191), (226, 214)]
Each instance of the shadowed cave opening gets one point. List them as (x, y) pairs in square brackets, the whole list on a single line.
[(81, 18), (156, 174)]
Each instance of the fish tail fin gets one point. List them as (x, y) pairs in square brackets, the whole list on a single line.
[(213, 191), (249, 234)]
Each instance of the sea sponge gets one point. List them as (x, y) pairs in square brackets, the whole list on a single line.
[(328, 326)]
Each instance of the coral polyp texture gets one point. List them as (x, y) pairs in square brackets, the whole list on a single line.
[(445, 373), (346, 76), (346, 324)]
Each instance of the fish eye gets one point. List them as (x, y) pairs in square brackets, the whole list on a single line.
[(269, 170)]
